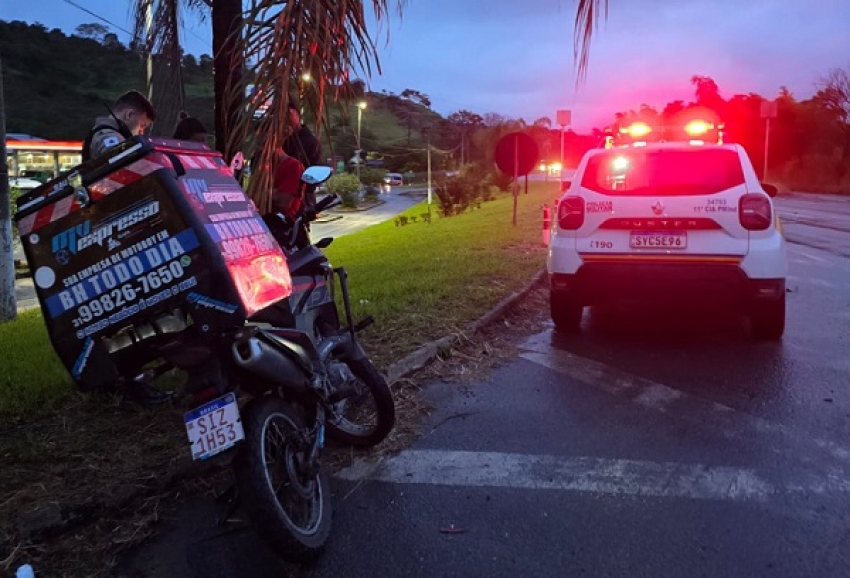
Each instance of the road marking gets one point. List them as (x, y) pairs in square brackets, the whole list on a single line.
[(725, 420), (585, 474), (822, 283), (837, 256)]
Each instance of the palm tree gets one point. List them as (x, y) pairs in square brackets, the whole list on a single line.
[(270, 44), (162, 48)]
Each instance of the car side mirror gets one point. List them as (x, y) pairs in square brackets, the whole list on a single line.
[(565, 185), (769, 189)]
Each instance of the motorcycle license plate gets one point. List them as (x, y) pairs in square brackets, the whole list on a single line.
[(214, 427)]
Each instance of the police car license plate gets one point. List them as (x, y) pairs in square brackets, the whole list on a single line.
[(214, 427), (658, 240)]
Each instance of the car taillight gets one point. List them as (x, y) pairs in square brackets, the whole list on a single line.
[(754, 212), (571, 212)]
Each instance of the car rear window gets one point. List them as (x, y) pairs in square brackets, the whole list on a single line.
[(637, 172)]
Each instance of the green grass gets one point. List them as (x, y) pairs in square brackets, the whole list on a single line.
[(420, 282), (31, 376)]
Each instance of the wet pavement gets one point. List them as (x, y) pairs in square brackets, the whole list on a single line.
[(344, 222), (656, 443)]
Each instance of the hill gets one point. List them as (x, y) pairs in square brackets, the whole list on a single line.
[(56, 84)]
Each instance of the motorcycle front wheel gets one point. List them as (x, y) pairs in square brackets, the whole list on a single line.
[(367, 416), (287, 500)]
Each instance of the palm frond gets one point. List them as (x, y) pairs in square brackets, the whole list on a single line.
[(157, 25), (282, 40), (586, 23)]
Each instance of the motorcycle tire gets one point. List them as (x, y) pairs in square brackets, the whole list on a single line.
[(344, 431), (289, 508)]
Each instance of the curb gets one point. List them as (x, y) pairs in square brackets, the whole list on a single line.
[(430, 351), (329, 219), (20, 264), (358, 209)]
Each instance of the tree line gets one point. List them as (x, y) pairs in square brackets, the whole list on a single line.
[(56, 85), (808, 145)]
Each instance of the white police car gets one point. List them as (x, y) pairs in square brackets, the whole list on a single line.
[(683, 219)]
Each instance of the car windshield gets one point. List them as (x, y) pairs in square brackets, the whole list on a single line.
[(663, 172)]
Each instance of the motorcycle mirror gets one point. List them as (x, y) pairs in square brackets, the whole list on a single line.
[(316, 175)]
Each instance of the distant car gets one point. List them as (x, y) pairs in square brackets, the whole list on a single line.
[(23, 183), (682, 220), (393, 179)]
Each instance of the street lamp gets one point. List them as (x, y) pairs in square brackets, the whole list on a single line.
[(361, 106), (305, 79)]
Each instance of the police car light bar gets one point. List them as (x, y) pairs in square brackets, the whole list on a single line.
[(698, 127), (636, 129)]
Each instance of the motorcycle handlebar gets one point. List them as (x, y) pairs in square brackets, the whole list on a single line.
[(325, 203), (311, 214)]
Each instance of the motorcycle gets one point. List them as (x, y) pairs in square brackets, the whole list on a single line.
[(152, 258)]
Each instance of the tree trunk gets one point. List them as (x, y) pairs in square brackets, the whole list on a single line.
[(228, 66), (844, 163), (8, 302)]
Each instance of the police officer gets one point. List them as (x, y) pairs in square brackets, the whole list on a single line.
[(132, 114)]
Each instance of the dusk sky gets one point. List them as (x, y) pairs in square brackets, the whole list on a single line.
[(515, 58)]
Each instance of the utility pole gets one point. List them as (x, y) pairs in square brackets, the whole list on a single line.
[(8, 302), (359, 151), (149, 48), (561, 158), (768, 111), (564, 118), (428, 133), (516, 175), (766, 147)]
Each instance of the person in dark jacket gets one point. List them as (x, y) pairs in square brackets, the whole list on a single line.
[(191, 129), (304, 146)]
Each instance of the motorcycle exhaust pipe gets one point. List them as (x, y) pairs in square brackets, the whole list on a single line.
[(269, 363)]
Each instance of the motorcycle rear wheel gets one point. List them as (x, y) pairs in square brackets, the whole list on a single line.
[(346, 422), (288, 504)]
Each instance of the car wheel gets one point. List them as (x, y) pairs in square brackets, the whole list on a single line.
[(769, 323), (565, 314)]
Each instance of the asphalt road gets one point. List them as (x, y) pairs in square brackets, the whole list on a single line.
[(338, 222), (656, 443)]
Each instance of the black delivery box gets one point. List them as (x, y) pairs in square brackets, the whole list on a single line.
[(153, 226)]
